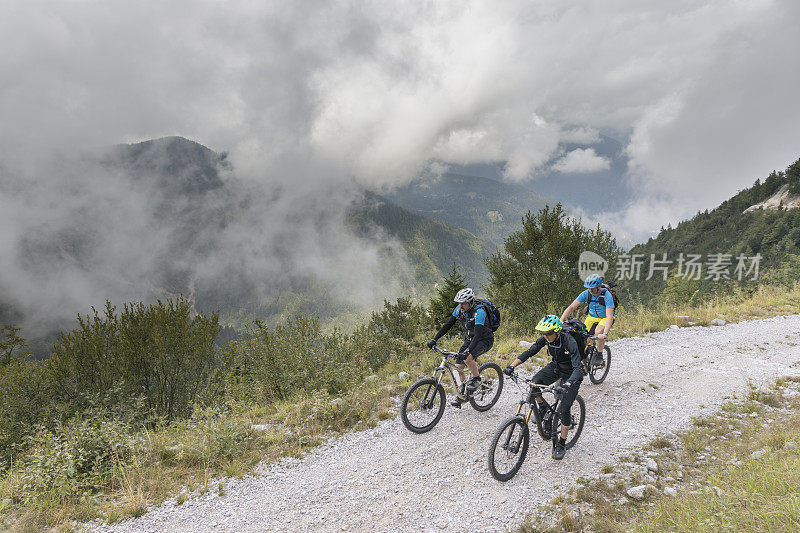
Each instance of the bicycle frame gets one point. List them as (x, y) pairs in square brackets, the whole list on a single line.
[(439, 371), (527, 396)]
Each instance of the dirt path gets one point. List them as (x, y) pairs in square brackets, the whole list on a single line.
[(388, 479)]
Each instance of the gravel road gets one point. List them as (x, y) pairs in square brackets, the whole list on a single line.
[(388, 479)]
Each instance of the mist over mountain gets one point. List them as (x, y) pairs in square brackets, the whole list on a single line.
[(488, 208), (170, 216), (167, 216)]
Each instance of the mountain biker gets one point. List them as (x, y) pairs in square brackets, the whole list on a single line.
[(600, 313), (478, 339), (566, 365)]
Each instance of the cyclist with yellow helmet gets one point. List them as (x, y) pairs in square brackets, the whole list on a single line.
[(565, 365), (599, 313)]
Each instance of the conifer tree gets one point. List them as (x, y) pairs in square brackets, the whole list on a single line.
[(442, 305)]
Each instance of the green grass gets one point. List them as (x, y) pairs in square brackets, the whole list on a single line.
[(732, 472)]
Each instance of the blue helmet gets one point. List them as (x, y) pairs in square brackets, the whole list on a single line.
[(593, 281)]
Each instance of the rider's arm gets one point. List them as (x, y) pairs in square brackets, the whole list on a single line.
[(575, 357), (568, 311), (445, 328), (609, 320), (535, 347)]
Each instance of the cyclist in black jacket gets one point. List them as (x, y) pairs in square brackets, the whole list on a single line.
[(566, 365), (478, 340)]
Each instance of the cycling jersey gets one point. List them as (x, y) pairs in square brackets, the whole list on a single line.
[(597, 304), (473, 317), (565, 353), (476, 328)]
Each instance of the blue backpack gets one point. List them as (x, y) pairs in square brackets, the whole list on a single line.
[(492, 312)]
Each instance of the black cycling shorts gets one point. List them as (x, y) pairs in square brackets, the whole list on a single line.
[(483, 346), (549, 375)]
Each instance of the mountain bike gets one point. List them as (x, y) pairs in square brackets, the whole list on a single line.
[(597, 373), (509, 445), (423, 403)]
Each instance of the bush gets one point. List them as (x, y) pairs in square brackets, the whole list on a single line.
[(269, 364), (160, 351), (24, 397), (84, 455)]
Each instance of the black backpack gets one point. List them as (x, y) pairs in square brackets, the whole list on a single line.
[(607, 286), (577, 329), (492, 312)]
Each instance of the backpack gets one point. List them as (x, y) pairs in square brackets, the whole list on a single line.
[(607, 286), (492, 312), (577, 329)]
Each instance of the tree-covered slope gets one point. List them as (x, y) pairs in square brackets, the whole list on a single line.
[(731, 230), (432, 246), (490, 209)]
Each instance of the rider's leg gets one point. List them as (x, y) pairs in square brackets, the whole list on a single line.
[(472, 365), (600, 343), (546, 376), (566, 404), (460, 366)]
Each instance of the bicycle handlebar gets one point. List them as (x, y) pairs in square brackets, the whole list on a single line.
[(445, 352), (529, 381)]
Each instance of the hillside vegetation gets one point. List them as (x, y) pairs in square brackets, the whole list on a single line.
[(490, 209), (774, 234)]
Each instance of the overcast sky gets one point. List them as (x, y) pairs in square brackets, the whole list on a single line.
[(704, 92)]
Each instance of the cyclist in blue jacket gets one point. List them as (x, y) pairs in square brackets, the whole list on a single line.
[(478, 339), (600, 313)]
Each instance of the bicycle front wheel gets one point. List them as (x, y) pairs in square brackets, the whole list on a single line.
[(597, 374), (508, 448), (490, 388), (577, 415), (423, 405)]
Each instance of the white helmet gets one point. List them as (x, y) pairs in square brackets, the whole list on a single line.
[(464, 295)]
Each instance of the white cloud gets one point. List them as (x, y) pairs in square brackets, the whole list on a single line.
[(583, 135), (318, 92), (581, 161)]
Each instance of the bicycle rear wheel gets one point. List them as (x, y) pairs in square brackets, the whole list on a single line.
[(423, 405), (598, 374), (508, 448), (490, 388), (576, 425)]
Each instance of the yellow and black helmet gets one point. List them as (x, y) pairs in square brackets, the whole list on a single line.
[(549, 324)]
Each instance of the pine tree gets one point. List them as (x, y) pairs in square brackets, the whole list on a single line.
[(442, 305)]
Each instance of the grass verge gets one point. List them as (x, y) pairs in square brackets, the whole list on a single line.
[(736, 470)]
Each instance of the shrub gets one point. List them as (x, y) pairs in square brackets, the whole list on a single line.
[(159, 351), (24, 397), (83, 455)]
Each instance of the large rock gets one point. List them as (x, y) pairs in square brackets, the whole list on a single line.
[(404, 375), (638, 492), (651, 464), (525, 344), (718, 322), (670, 491)]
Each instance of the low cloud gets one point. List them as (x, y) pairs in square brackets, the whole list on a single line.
[(581, 161), (319, 95)]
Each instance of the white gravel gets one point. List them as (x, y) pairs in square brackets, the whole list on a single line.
[(388, 479)]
